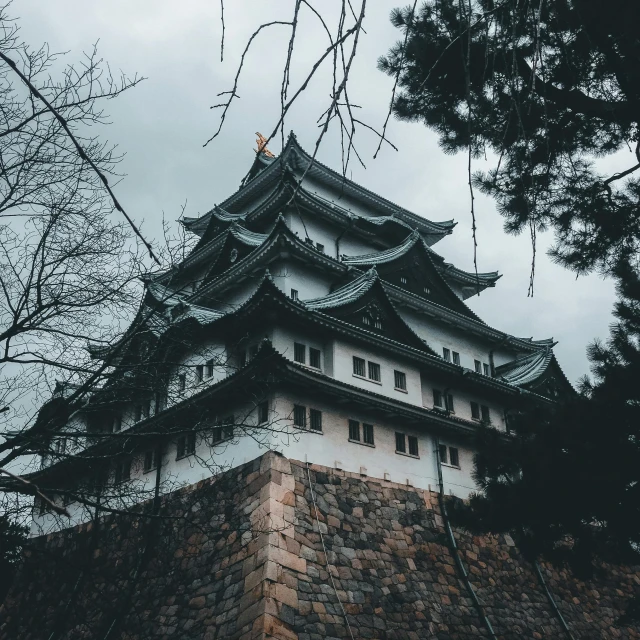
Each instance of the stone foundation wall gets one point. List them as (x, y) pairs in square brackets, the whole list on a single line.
[(251, 554)]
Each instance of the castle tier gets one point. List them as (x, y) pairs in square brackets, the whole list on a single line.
[(313, 317)]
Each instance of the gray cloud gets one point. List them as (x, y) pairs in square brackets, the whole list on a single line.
[(162, 125)]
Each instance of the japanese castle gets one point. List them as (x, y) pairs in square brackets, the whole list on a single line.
[(315, 318)]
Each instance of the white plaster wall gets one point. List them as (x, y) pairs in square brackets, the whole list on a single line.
[(292, 274), (342, 357), (283, 339)]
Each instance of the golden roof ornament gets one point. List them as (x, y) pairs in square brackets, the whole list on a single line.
[(261, 141)]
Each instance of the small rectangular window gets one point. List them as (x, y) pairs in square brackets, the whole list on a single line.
[(400, 380), (358, 366), (374, 371), (314, 357), (354, 430), (320, 247), (182, 382), (263, 412), (446, 354), (186, 445), (475, 411), (454, 459), (401, 444), (300, 416), (367, 432), (449, 403), (122, 471), (456, 358), (478, 366), (299, 352), (486, 369), (210, 368), (315, 419), (199, 372), (437, 398), (486, 414), (444, 459), (294, 294), (149, 460), (413, 445), (227, 427)]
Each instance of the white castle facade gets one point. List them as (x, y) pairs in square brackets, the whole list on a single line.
[(314, 318)]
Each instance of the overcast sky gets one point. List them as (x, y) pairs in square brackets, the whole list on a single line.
[(163, 123)]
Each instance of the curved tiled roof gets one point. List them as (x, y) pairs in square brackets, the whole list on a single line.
[(525, 370), (344, 295)]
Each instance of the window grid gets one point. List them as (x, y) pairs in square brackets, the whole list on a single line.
[(314, 358), (315, 419), (367, 430), (299, 416), (263, 412), (358, 367), (374, 371), (400, 380), (299, 353), (354, 430)]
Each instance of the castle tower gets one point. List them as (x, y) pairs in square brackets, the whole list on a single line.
[(313, 318)]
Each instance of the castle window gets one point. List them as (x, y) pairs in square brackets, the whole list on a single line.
[(378, 323), (354, 430), (413, 445), (263, 412), (437, 398), (401, 443), (320, 247), (374, 371), (182, 382), (486, 370), (122, 471), (61, 445), (403, 280), (427, 290), (294, 294), (186, 445), (446, 354), (456, 358), (486, 414), (400, 380), (358, 367), (300, 416), (367, 432), (478, 366), (449, 456), (210, 368), (199, 373), (314, 358), (315, 419), (366, 319), (448, 403), (222, 431), (475, 411), (299, 352), (150, 462)]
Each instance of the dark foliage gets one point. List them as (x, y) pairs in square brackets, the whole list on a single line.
[(548, 88), (12, 537)]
